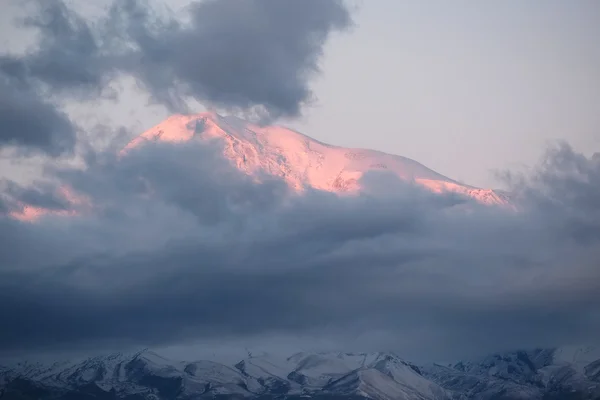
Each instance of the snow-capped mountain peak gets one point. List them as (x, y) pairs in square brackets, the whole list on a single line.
[(301, 161), (297, 159)]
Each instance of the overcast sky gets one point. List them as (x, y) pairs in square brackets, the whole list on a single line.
[(170, 245)]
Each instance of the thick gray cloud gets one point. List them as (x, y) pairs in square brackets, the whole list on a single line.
[(179, 247), (171, 244), (252, 56), (66, 60), (28, 121), (68, 55), (235, 54)]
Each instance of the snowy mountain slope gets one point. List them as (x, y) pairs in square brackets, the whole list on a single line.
[(551, 374), (142, 374), (149, 376), (388, 377), (563, 373), (300, 160)]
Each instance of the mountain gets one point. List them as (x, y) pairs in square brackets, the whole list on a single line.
[(543, 374), (301, 161), (146, 375), (567, 373)]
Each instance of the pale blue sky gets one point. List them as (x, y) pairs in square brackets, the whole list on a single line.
[(463, 87)]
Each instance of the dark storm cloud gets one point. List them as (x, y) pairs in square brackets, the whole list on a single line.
[(28, 121), (234, 54), (174, 245), (65, 59), (179, 246), (253, 56), (68, 55)]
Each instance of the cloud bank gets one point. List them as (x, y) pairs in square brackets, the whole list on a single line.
[(178, 247), (172, 245)]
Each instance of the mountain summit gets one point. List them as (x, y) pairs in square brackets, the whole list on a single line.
[(301, 161)]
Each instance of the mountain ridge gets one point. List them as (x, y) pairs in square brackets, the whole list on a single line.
[(148, 374), (560, 373)]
